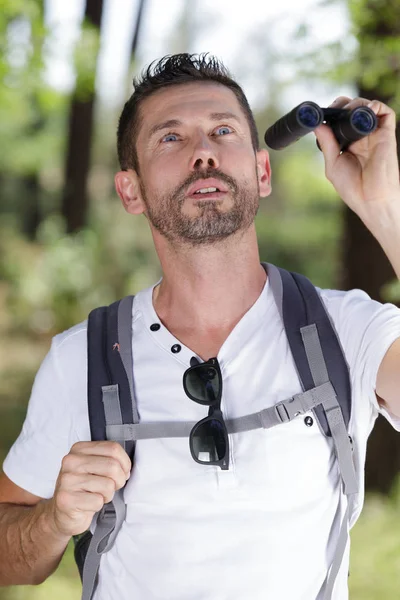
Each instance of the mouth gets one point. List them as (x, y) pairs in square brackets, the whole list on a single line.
[(207, 189), (214, 194)]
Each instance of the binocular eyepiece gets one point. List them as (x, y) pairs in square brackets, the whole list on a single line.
[(348, 126)]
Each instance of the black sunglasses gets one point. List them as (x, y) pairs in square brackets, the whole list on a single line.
[(208, 440)]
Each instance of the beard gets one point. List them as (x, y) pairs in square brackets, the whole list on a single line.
[(165, 211)]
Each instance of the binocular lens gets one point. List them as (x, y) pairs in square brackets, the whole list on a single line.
[(308, 116), (362, 120)]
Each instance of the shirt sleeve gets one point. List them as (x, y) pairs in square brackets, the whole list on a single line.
[(34, 460), (366, 330)]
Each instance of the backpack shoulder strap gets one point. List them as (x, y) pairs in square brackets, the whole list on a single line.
[(319, 358), (110, 374), (306, 321), (110, 402), (97, 370)]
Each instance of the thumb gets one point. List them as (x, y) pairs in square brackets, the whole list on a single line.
[(327, 142)]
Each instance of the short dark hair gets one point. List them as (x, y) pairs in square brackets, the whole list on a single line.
[(173, 69)]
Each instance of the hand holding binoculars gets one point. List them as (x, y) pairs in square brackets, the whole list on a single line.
[(348, 126)]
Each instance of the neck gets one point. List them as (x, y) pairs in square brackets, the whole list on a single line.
[(211, 287)]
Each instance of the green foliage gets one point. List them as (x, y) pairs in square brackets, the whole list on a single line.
[(375, 553), (33, 143), (367, 13), (31, 113), (55, 283), (299, 226), (86, 52), (367, 56), (391, 292)]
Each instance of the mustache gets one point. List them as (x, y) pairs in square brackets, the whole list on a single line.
[(215, 173)]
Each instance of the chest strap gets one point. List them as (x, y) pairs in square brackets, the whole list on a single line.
[(283, 412)]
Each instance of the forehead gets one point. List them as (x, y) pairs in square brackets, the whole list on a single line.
[(187, 101)]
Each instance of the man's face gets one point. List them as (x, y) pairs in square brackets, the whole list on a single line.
[(196, 137)]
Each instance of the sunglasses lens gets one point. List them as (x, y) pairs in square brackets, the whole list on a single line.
[(209, 441), (203, 383)]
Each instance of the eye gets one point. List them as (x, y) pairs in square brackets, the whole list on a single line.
[(223, 130), (170, 137)]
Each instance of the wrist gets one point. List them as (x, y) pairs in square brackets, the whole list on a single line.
[(47, 523)]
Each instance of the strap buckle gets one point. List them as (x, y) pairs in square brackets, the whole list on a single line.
[(282, 412), (107, 513)]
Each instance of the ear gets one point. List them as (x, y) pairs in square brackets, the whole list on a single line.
[(128, 189), (264, 172)]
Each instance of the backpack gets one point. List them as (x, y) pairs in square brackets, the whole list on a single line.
[(113, 415)]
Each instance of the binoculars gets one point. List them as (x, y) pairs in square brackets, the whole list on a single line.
[(348, 126)]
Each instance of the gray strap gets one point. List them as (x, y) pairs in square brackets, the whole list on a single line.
[(341, 442), (125, 346), (283, 412), (333, 412), (343, 445), (103, 539), (112, 407), (314, 353), (338, 556), (112, 515), (275, 281)]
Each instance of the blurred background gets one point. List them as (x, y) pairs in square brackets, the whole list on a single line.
[(67, 245)]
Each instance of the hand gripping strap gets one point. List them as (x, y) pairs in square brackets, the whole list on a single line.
[(97, 376)]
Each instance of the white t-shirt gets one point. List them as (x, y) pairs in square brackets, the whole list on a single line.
[(260, 530)]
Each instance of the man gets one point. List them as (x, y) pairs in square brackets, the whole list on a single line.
[(265, 527)]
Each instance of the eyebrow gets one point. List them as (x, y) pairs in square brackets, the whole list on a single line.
[(215, 116)]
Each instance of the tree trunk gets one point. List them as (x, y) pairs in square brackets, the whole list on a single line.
[(365, 265), (75, 203), (138, 27), (32, 215)]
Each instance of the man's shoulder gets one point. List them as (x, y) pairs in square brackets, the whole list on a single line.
[(330, 294), (338, 302), (71, 340), (358, 318), (354, 308), (74, 339)]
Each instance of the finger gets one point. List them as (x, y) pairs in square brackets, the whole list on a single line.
[(328, 143), (354, 103), (386, 115), (349, 103), (83, 502), (67, 504), (340, 102), (84, 482), (106, 466), (104, 448), (104, 486)]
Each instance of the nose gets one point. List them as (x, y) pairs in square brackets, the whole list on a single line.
[(204, 154)]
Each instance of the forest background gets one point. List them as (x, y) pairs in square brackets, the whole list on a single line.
[(67, 246)]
